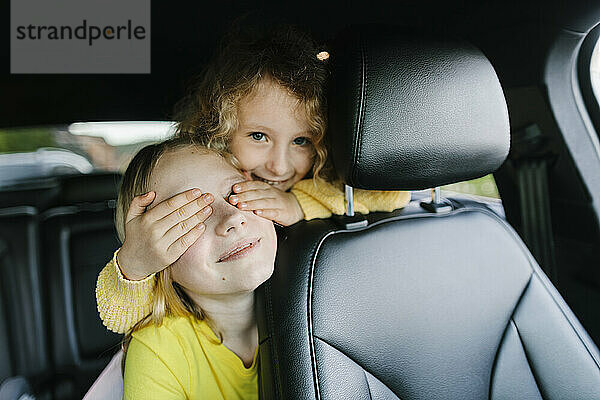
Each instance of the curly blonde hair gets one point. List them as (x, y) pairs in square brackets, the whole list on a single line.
[(246, 57)]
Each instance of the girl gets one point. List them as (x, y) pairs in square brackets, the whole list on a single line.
[(261, 99), (200, 339)]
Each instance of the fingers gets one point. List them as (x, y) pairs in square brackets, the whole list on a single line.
[(250, 195), (197, 209), (170, 205), (259, 204), (138, 205), (181, 228), (178, 247), (268, 213), (250, 185)]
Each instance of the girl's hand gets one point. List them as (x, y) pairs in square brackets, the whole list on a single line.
[(267, 201), (156, 238)]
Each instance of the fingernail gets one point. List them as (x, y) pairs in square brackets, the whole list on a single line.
[(196, 192), (237, 188), (200, 226), (207, 197), (242, 205), (233, 199), (206, 210), (258, 212)]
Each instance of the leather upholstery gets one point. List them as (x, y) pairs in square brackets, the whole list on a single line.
[(56, 234), (78, 237), (431, 111), (20, 289), (419, 306)]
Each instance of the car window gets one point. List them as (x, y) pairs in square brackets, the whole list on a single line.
[(80, 147), (109, 146), (484, 186)]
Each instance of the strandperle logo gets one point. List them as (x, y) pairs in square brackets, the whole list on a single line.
[(85, 31), (80, 37)]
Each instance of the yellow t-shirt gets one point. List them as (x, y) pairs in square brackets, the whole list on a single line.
[(183, 359)]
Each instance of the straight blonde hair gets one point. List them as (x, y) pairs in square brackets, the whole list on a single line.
[(168, 298)]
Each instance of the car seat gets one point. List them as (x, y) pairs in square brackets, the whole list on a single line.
[(55, 233), (436, 302), (23, 351), (78, 236)]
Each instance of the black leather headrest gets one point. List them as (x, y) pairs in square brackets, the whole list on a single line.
[(410, 112)]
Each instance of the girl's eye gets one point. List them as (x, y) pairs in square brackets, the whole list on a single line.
[(301, 141), (258, 136)]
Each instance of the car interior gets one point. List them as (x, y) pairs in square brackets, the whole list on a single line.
[(448, 298)]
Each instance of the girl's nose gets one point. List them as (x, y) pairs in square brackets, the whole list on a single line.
[(230, 219), (278, 162)]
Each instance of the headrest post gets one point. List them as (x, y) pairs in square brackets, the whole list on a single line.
[(437, 204), (349, 194), (351, 220), (436, 195)]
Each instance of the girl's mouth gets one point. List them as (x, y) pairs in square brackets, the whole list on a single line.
[(240, 250), (258, 178)]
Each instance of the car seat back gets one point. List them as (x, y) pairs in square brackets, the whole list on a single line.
[(416, 304), (20, 289), (78, 237)]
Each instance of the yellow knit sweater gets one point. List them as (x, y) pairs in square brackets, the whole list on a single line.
[(122, 303)]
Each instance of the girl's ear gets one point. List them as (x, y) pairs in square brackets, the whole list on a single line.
[(247, 175)]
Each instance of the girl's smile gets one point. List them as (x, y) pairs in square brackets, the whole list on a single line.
[(272, 183), (240, 250)]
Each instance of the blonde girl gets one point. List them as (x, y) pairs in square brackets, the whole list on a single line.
[(200, 338)]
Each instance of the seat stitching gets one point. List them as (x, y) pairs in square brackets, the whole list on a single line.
[(315, 252), (544, 281), (368, 386), (361, 107), (268, 299), (508, 323), (462, 209), (588, 346), (535, 378), (354, 361), (532, 263), (309, 313)]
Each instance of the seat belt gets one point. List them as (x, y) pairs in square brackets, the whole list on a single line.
[(530, 162)]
